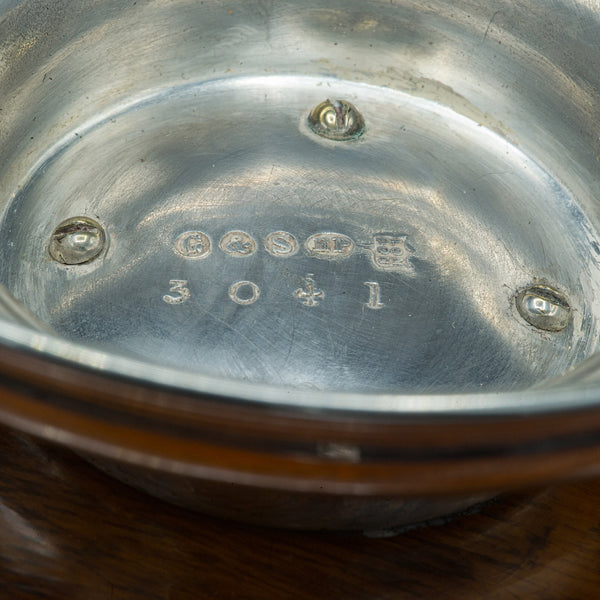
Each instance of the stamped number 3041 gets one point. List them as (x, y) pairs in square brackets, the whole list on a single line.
[(246, 293)]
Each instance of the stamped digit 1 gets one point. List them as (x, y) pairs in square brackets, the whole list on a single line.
[(374, 302), (179, 287)]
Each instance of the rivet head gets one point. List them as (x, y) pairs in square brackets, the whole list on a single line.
[(336, 120), (76, 241), (544, 308)]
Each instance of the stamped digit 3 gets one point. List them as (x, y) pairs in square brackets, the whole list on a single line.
[(179, 287)]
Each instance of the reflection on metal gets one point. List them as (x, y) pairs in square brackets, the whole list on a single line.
[(544, 308), (336, 120), (77, 240), (29, 538)]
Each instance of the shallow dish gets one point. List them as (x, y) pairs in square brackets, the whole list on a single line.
[(307, 264)]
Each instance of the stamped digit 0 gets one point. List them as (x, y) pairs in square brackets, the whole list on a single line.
[(245, 300)]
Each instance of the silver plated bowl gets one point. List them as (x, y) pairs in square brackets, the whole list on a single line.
[(357, 212)]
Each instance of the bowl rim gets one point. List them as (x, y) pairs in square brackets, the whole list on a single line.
[(83, 405), (541, 399)]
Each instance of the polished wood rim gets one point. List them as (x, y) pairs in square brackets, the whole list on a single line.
[(222, 440)]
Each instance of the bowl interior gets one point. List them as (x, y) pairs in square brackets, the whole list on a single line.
[(201, 222)]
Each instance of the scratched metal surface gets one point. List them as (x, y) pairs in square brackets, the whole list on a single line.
[(244, 248)]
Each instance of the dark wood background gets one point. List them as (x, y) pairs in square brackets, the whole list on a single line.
[(68, 531)]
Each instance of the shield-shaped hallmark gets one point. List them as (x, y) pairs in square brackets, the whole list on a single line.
[(390, 252)]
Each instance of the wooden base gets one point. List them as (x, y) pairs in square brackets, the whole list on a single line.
[(69, 532)]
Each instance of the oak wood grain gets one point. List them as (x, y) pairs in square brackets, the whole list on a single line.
[(68, 531)]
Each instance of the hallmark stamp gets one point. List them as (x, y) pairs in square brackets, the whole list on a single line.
[(251, 292), (309, 295), (390, 252), (237, 243), (329, 246), (281, 244), (193, 244)]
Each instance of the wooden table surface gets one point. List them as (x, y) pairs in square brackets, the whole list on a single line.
[(68, 532)]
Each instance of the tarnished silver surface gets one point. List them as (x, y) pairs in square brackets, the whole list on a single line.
[(251, 254)]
